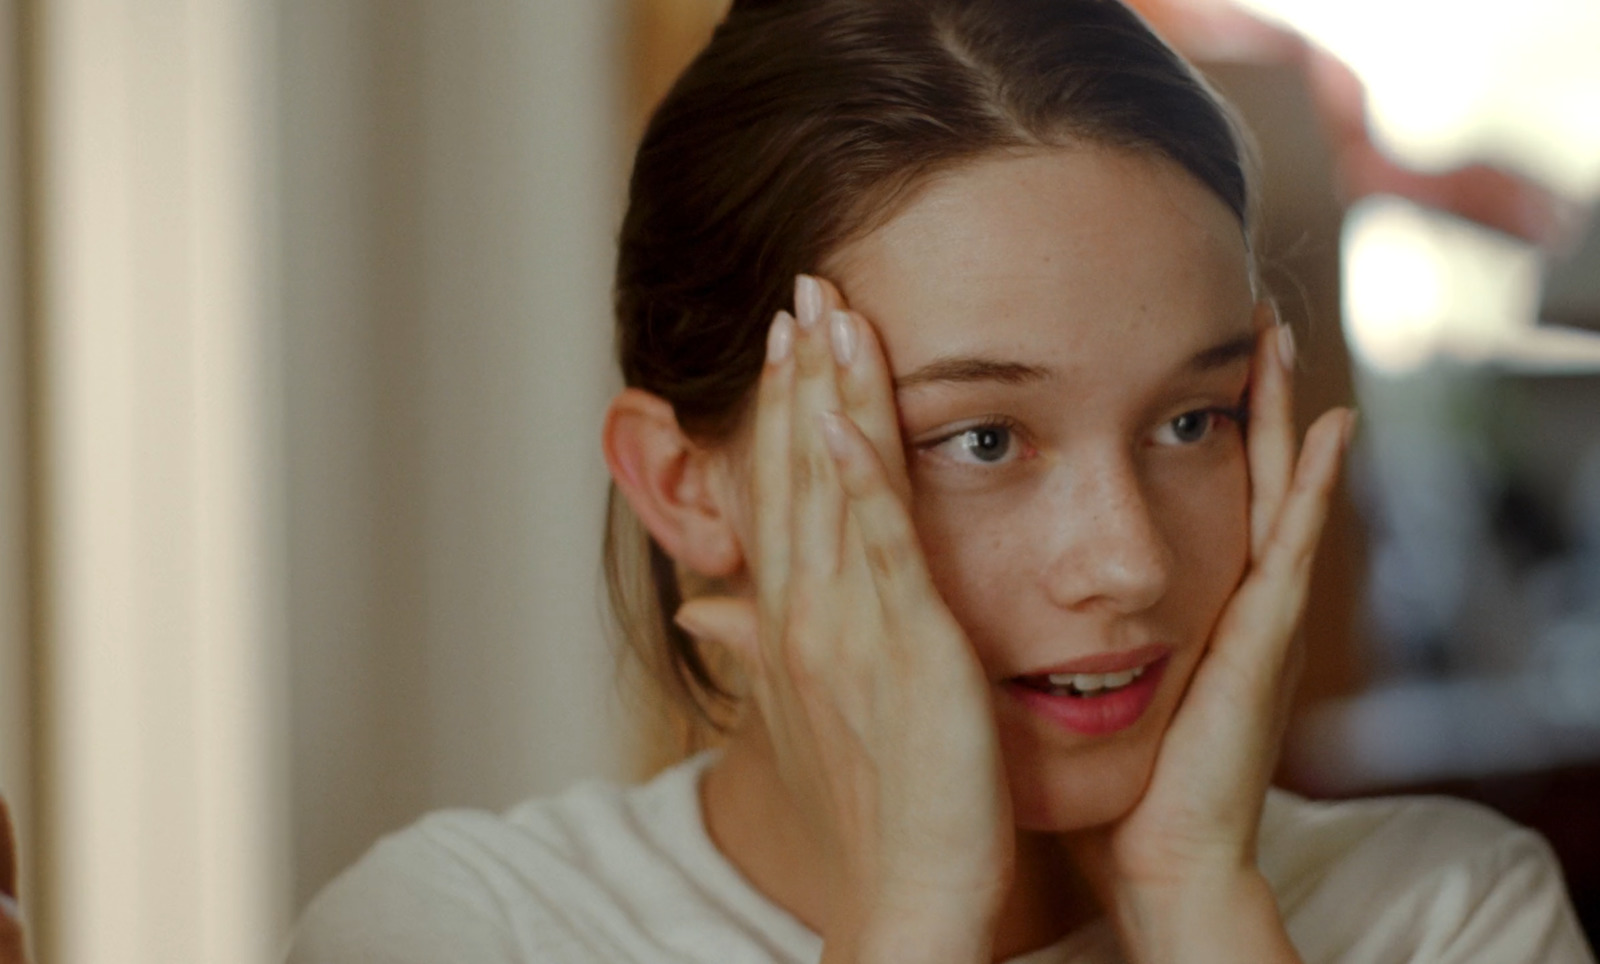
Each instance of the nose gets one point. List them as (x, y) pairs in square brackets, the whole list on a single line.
[(1108, 551)]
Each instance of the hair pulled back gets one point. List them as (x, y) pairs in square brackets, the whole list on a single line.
[(801, 127)]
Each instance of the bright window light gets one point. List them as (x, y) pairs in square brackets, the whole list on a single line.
[(1419, 284), (1450, 81)]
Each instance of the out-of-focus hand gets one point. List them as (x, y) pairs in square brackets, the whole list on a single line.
[(1178, 873), (13, 949), (878, 710)]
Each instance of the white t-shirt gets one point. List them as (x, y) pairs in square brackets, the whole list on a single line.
[(612, 875)]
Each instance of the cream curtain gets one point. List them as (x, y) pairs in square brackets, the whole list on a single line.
[(160, 684), (303, 351)]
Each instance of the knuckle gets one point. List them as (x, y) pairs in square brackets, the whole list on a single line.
[(800, 660), (852, 390), (868, 475), (885, 559), (810, 471), (810, 357), (801, 606)]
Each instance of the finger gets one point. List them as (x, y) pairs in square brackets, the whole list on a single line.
[(735, 625), (729, 622), (867, 390), (866, 387), (1294, 540), (1271, 440), (1259, 625), (888, 538), (1294, 664), (770, 467), (817, 506)]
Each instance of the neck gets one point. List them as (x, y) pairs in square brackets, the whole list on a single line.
[(755, 823)]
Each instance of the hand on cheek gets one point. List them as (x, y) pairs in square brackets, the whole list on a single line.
[(875, 704), (1182, 863)]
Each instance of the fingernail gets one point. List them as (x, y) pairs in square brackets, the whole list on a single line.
[(9, 907), (833, 434), (807, 300), (843, 333), (1286, 346), (780, 338), (1350, 426)]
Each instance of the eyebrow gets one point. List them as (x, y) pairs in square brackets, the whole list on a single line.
[(969, 369), (964, 369), (1223, 354)]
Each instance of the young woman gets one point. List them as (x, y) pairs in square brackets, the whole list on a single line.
[(958, 480)]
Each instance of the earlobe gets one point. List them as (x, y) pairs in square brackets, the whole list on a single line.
[(669, 481)]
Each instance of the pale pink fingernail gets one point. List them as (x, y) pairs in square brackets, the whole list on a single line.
[(1286, 349), (843, 335), (807, 300), (780, 338), (834, 435), (8, 907), (1350, 426)]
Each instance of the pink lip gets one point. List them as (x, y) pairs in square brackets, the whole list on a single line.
[(1116, 662), (1095, 715)]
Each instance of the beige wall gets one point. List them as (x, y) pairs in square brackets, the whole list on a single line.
[(449, 177), (16, 705), (303, 355)]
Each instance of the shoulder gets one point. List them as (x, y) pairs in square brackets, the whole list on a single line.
[(1415, 878), (416, 895), (535, 883)]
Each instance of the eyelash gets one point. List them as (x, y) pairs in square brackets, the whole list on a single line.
[(991, 423), (1238, 414)]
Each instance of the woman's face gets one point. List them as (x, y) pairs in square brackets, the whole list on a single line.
[(1070, 332)]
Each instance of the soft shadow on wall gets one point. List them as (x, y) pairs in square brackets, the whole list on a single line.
[(449, 176)]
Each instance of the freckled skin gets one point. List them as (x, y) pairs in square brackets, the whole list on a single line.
[(1111, 270), (1104, 545)]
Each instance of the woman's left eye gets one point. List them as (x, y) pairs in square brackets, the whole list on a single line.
[(1191, 427)]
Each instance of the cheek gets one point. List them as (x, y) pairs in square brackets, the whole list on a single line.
[(975, 545), (986, 550), (1205, 517)]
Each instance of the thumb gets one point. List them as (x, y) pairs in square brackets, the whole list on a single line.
[(722, 619)]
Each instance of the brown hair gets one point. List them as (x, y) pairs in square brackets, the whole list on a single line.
[(802, 126)]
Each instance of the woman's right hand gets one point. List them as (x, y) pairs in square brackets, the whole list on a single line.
[(13, 949), (876, 705)]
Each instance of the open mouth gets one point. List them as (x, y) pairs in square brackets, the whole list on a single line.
[(1081, 684), (1093, 704)]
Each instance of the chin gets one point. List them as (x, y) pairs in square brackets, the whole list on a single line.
[(1060, 792)]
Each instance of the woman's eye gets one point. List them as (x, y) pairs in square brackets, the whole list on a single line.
[(990, 443), (981, 444), (1190, 427)]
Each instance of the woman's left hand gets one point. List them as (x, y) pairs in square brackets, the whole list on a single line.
[(1179, 870)]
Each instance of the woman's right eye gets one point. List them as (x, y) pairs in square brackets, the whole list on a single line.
[(987, 444)]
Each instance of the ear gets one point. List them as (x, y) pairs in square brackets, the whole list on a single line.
[(674, 485)]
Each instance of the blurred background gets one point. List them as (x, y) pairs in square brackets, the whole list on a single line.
[(304, 344)]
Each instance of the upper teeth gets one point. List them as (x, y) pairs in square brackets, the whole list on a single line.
[(1090, 682)]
